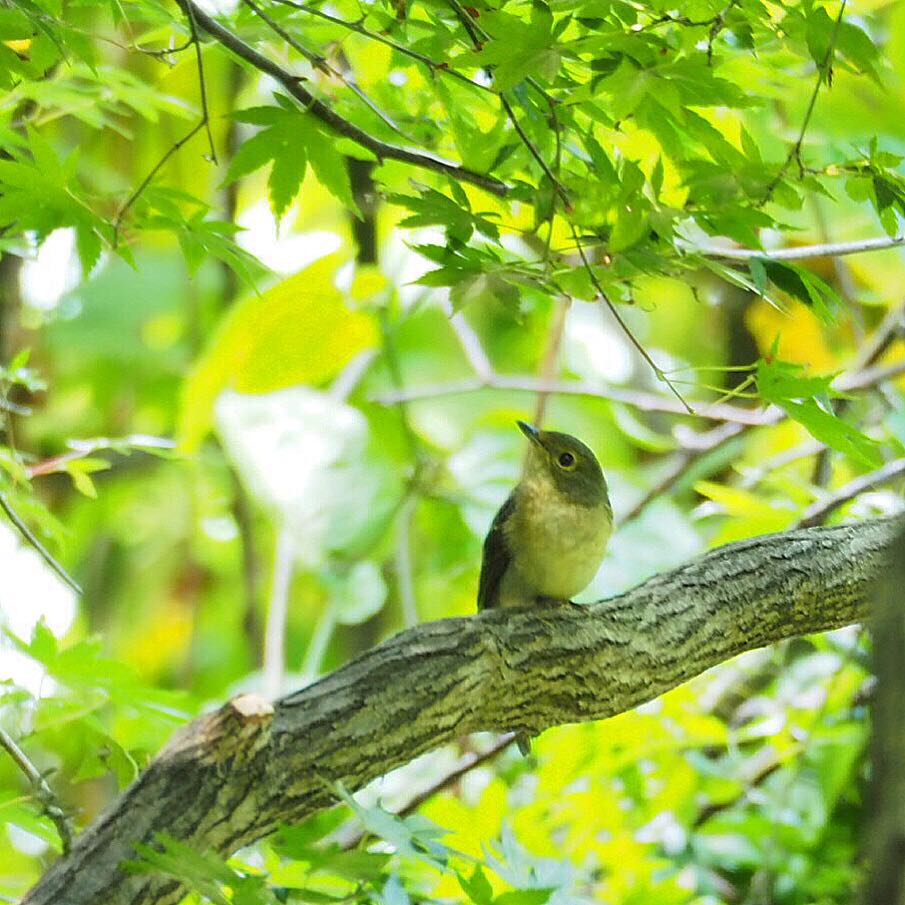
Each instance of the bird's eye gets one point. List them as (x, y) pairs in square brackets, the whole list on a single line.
[(567, 460)]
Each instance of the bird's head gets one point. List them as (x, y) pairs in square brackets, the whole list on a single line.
[(566, 464)]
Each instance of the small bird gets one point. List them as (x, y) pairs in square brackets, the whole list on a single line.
[(548, 539)]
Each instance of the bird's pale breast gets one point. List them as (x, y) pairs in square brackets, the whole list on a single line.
[(557, 547)]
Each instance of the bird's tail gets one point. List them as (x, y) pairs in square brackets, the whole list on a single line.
[(523, 740)]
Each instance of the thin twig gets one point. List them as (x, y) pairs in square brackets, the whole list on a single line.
[(476, 34), (202, 87), (320, 63), (51, 804), (277, 612), (359, 29), (548, 367), (711, 809), (467, 763), (117, 223), (160, 54), (328, 116), (601, 295), (890, 329), (33, 541), (471, 346), (823, 74), (802, 252), (819, 512), (855, 380), (351, 375), (645, 402), (751, 477), (403, 561), (869, 377), (535, 153), (715, 439)]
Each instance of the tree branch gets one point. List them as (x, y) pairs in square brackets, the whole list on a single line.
[(798, 253), (327, 115), (52, 807), (233, 776), (639, 399), (817, 513)]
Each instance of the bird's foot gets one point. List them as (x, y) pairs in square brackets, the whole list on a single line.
[(558, 601), (523, 741), (541, 600)]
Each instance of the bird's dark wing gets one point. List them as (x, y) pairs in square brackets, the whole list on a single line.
[(496, 557)]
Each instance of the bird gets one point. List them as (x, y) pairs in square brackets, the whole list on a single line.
[(548, 539)]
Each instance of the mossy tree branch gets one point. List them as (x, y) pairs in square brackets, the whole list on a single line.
[(233, 776)]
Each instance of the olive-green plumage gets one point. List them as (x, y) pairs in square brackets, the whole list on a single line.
[(548, 539)]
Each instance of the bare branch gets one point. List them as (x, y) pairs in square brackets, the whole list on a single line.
[(468, 762), (646, 402), (710, 443), (471, 345), (861, 377), (819, 512), (33, 541), (798, 253)]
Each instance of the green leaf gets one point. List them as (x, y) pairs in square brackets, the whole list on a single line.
[(801, 283), (524, 897), (737, 278), (477, 887), (201, 871), (785, 385), (283, 142), (414, 837), (329, 166), (835, 433)]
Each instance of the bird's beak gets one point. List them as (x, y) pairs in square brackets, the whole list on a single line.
[(530, 431)]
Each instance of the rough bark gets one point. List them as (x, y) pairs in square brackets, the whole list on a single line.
[(233, 776)]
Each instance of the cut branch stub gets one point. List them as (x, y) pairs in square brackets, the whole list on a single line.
[(233, 776)]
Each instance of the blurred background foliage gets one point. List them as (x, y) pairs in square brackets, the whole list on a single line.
[(258, 385)]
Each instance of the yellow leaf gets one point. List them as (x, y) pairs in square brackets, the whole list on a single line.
[(801, 335), (298, 332)]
